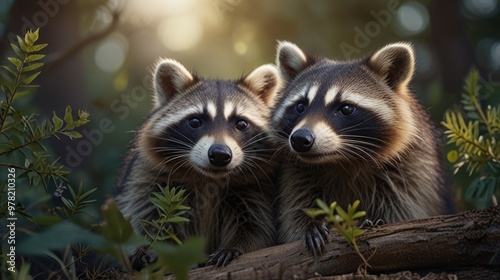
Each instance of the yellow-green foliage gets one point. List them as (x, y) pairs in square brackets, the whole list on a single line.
[(345, 222), (21, 135), (474, 131)]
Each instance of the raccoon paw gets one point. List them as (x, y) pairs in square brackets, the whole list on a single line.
[(317, 237), (223, 256), (369, 223), (141, 258)]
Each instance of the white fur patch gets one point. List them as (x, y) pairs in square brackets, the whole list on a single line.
[(228, 109), (159, 125), (312, 93), (378, 106), (199, 153), (292, 98), (212, 110), (330, 95), (235, 149), (326, 140)]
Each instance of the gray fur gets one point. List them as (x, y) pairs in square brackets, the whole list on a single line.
[(397, 175), (230, 207)]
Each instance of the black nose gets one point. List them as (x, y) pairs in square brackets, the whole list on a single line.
[(302, 140), (219, 155)]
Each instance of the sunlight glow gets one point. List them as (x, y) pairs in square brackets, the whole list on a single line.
[(181, 32), (160, 8)]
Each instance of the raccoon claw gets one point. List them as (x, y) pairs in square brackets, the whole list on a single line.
[(316, 238), (369, 223), (142, 258), (223, 256)]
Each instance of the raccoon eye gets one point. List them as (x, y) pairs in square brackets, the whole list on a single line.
[(194, 122), (241, 125), (300, 107), (346, 110)]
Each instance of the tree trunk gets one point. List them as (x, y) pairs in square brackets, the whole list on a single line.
[(466, 245)]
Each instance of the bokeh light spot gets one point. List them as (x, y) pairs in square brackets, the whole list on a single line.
[(240, 47), (482, 8), (413, 18), (111, 53), (495, 55), (180, 33)]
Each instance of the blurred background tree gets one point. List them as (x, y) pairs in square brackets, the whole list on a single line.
[(101, 52)]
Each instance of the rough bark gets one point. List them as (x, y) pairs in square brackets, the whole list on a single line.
[(465, 245)]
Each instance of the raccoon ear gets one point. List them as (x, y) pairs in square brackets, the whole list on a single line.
[(395, 63), (290, 60), (170, 79), (264, 82)]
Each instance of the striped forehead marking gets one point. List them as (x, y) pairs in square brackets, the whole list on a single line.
[(161, 121), (311, 94), (229, 109), (330, 95), (380, 106), (211, 110)]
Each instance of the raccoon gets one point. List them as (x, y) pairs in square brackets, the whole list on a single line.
[(211, 138), (353, 130)]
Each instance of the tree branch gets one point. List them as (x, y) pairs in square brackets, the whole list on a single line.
[(465, 241), (50, 65)]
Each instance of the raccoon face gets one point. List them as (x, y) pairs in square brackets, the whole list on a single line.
[(212, 127), (331, 111)]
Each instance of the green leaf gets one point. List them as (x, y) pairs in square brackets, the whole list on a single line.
[(47, 221), (58, 123), (115, 227), (39, 47), (22, 45), (482, 189), (177, 219), (28, 80), (68, 203), (179, 259), (11, 71), (34, 57), (58, 237), (314, 212), (342, 213), (21, 94), (72, 134), (322, 205), (31, 37), (32, 67), (68, 118), (358, 215), (17, 51), (18, 63)]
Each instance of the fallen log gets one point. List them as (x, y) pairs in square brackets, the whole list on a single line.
[(468, 242)]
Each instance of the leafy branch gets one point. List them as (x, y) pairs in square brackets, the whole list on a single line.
[(346, 222), (168, 203), (21, 135), (474, 129)]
